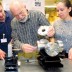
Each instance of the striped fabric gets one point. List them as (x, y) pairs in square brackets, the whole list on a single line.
[(26, 32)]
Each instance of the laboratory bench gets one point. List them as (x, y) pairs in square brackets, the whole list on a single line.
[(35, 67)]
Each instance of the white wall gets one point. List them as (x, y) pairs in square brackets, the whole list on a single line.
[(30, 4)]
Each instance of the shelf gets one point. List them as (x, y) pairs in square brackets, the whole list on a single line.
[(50, 6)]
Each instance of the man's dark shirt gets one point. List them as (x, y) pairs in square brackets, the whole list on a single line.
[(5, 28)]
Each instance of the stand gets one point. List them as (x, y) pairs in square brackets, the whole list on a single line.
[(47, 61)]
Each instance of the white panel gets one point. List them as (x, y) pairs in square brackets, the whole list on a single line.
[(30, 4)]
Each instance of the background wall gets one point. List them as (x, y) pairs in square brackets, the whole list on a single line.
[(30, 4)]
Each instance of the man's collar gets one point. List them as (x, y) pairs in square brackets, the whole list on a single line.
[(6, 14)]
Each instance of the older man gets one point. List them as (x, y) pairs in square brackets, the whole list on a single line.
[(25, 26)]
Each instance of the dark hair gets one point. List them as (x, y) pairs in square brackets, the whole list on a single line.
[(67, 4)]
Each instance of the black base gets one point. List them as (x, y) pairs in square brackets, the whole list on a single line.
[(47, 61), (11, 64)]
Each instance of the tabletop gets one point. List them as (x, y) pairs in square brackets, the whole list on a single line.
[(35, 67)]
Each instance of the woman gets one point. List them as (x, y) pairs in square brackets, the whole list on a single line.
[(63, 26)]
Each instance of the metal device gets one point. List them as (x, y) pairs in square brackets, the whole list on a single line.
[(11, 60), (50, 53)]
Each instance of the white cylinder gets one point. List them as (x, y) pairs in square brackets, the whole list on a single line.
[(9, 50), (43, 30)]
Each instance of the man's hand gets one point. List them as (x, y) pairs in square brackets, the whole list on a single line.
[(70, 54), (27, 48), (51, 31), (2, 54)]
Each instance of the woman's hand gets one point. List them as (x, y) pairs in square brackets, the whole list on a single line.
[(51, 31)]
